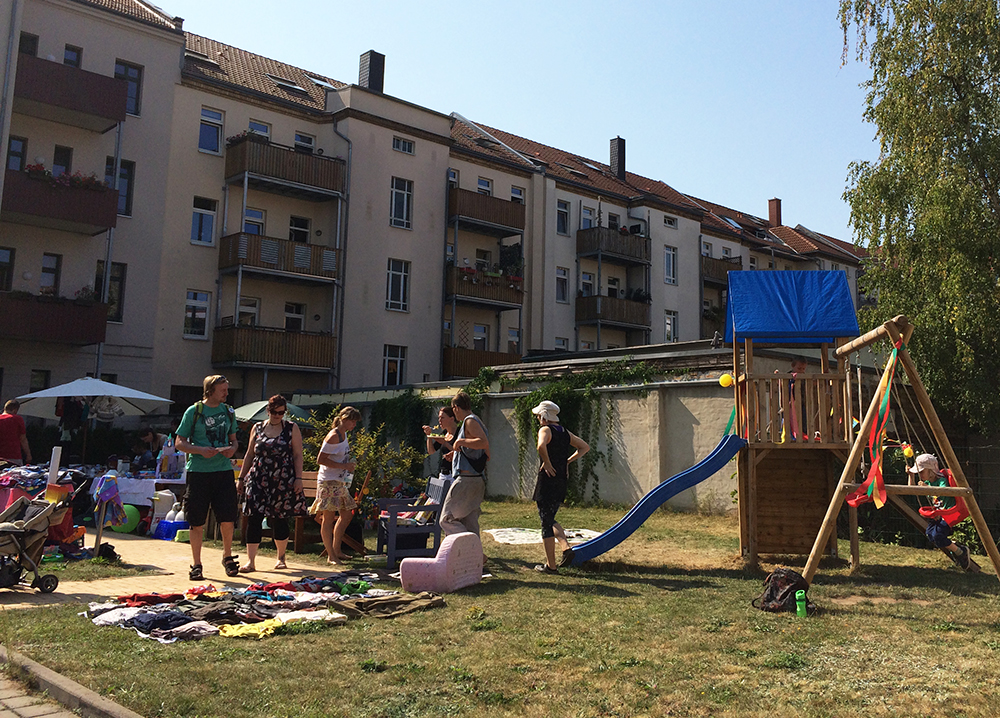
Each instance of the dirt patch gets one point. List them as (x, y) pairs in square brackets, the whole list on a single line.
[(855, 600)]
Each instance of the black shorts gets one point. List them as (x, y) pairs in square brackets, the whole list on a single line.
[(215, 489)]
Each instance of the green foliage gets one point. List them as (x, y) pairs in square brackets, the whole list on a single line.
[(402, 416), (477, 388), (928, 210)]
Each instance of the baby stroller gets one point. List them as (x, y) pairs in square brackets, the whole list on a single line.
[(24, 526)]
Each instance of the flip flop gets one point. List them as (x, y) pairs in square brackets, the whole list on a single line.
[(280, 565), (247, 569)]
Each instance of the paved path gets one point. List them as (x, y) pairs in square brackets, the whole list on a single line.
[(16, 702)]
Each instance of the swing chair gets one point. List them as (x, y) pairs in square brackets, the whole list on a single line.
[(871, 436)]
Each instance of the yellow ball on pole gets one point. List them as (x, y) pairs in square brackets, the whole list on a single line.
[(726, 380)]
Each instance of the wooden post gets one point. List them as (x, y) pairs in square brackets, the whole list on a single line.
[(852, 515)]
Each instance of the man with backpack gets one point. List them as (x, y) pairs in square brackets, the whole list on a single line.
[(207, 434), (471, 449)]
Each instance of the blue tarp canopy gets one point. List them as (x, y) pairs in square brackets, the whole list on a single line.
[(789, 307)]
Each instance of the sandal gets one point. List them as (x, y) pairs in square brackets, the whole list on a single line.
[(542, 568), (195, 573), (280, 565), (247, 568), (231, 565)]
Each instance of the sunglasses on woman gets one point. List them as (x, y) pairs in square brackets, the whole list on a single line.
[(277, 412)]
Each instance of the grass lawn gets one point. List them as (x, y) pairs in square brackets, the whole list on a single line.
[(94, 569), (664, 627)]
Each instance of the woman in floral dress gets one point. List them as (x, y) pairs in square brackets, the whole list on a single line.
[(270, 481)]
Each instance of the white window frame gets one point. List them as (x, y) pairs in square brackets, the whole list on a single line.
[(446, 332), (305, 142), (198, 299), (401, 189), (295, 311), (484, 260), (614, 221), (215, 119), (727, 252), (262, 129), (453, 175), (562, 344), (562, 281), (249, 307), (834, 267), (484, 185), (752, 262), (299, 235), (588, 216), (517, 194), (586, 345), (706, 249), (397, 285), (669, 326), (615, 283), (198, 215), (513, 340), (669, 264), (669, 221), (254, 220), (587, 287), (394, 353), (403, 145), (562, 210)]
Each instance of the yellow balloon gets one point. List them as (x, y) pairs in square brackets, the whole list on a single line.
[(908, 452), (726, 380)]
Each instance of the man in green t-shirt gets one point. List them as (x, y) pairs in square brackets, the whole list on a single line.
[(207, 434)]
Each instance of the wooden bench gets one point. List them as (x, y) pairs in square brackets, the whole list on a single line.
[(308, 526), (390, 529)]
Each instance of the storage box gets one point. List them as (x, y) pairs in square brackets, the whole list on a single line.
[(166, 530)]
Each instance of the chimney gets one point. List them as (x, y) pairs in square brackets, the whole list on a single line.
[(372, 72), (774, 212), (618, 158)]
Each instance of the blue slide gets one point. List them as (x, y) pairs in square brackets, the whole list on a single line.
[(726, 450)]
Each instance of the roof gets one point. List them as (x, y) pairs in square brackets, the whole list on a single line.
[(217, 62), (805, 241), (790, 307), (144, 12)]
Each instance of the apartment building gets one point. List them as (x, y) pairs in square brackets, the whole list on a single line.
[(302, 234)]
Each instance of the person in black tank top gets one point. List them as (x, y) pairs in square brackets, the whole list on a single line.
[(557, 449)]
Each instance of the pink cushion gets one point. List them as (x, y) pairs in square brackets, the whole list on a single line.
[(459, 563)]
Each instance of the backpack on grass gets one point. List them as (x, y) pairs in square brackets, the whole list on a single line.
[(779, 591)]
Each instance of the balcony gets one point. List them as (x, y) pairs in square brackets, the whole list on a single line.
[(242, 346), (473, 286), (717, 270), (27, 200), (52, 319), (625, 313), (277, 257), (462, 362), (613, 246), (60, 93), (491, 215), (274, 168)]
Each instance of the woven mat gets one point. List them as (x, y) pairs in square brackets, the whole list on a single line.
[(532, 536)]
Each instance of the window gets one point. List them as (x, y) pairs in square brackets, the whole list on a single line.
[(132, 75), (51, 269), (485, 186), (401, 203), (513, 341), (260, 128), (562, 344), (562, 285), (517, 195), (40, 379), (587, 284), (210, 134), (62, 161), (481, 337), (28, 44), (834, 267), (706, 249), (126, 179), (770, 264), (614, 288), (669, 221), (253, 221), (295, 317), (203, 220), (586, 218), (6, 268), (449, 252), (393, 365), (727, 252), (446, 333), (562, 217), (116, 289), (586, 346), (17, 153), (397, 286), (614, 221), (484, 260), (298, 229), (249, 312), (669, 326), (72, 56), (753, 262), (304, 143), (401, 145), (196, 314), (669, 264), (452, 177)]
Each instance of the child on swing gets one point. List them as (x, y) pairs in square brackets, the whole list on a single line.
[(946, 512)]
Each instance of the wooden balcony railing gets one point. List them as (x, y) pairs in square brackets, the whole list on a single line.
[(277, 255), (807, 410), (278, 162), (52, 319), (718, 269), (484, 286), (630, 248), (261, 346), (612, 310), (60, 93), (481, 207), (72, 209), (462, 362)]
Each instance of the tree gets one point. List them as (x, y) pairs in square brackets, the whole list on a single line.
[(928, 210)]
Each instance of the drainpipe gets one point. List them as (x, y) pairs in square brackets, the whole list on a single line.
[(106, 278), (342, 247), (8, 72)]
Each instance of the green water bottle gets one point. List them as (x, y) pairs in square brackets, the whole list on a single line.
[(800, 603)]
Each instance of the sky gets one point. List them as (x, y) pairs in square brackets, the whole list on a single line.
[(733, 101)]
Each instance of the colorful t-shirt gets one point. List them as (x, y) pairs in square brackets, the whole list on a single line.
[(212, 428)]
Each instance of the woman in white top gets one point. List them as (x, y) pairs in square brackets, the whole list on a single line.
[(333, 495)]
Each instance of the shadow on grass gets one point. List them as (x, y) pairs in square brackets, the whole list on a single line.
[(881, 575)]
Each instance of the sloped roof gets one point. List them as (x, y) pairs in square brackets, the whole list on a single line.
[(136, 10), (804, 241)]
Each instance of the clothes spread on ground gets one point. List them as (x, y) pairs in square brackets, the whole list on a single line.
[(257, 611)]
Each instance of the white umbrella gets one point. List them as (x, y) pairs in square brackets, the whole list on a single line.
[(131, 401), (257, 411)]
